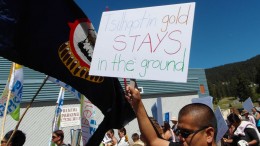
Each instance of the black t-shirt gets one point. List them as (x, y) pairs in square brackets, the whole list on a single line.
[(250, 134), (174, 144)]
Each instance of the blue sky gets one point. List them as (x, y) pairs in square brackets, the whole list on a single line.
[(224, 31)]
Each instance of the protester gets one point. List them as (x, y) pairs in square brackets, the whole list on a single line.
[(57, 138), (143, 139), (167, 132), (236, 111), (245, 132), (110, 134), (174, 122), (123, 141), (157, 127), (197, 124), (18, 138), (248, 117), (136, 140), (257, 118), (227, 138)]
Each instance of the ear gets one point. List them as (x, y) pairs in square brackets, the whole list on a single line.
[(210, 134)]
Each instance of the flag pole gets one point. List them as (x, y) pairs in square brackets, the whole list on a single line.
[(7, 103), (5, 113), (27, 108)]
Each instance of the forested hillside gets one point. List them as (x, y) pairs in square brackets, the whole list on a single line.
[(240, 79)]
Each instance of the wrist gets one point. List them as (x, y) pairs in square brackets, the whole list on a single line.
[(138, 106)]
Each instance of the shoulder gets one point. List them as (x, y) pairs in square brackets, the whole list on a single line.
[(114, 141), (250, 130)]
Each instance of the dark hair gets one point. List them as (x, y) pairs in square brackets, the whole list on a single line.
[(233, 118), (60, 134), (123, 130), (135, 137), (111, 131), (18, 138), (202, 114), (157, 127), (166, 126)]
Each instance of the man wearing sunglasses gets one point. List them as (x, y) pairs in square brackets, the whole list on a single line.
[(197, 123)]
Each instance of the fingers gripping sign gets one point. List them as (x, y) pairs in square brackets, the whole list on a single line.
[(132, 94)]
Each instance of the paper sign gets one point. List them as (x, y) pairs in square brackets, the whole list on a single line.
[(205, 100), (167, 116), (248, 104), (70, 117), (222, 125), (150, 43), (154, 111)]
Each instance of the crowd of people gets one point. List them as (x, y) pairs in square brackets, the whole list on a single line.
[(243, 129), (18, 138), (196, 126)]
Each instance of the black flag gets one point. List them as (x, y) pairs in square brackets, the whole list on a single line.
[(55, 37)]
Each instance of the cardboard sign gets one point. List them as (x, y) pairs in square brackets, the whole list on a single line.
[(70, 117), (208, 100), (150, 43), (222, 125), (248, 104)]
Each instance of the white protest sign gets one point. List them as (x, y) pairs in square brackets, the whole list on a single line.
[(208, 100), (147, 43), (248, 104), (222, 125), (88, 122), (70, 117)]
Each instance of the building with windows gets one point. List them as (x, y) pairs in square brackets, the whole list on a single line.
[(37, 123)]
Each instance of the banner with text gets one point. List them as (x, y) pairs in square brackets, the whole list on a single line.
[(146, 43), (70, 116)]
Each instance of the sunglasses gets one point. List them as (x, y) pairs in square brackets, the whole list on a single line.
[(186, 133)]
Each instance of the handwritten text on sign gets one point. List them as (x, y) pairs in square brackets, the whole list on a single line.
[(145, 43)]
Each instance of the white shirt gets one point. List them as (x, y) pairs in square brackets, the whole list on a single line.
[(122, 142)]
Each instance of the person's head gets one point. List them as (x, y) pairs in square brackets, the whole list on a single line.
[(110, 133), (254, 110), (57, 136), (166, 126), (121, 132), (174, 120), (245, 113), (197, 125), (135, 137), (157, 127), (18, 138), (234, 110), (234, 119), (142, 138)]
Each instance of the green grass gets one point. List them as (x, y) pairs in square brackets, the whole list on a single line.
[(229, 102)]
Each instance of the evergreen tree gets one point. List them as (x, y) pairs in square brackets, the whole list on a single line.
[(243, 90), (257, 81)]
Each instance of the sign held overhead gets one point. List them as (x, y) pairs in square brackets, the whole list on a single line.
[(150, 43)]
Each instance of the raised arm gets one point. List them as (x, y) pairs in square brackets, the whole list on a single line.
[(134, 98)]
